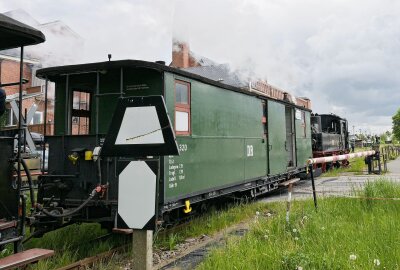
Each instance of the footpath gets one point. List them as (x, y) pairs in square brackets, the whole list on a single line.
[(336, 185)]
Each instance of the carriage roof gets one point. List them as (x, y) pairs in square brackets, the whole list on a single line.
[(16, 34)]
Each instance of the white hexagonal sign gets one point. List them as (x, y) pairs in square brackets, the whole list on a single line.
[(137, 194)]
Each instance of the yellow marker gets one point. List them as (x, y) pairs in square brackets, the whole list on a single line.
[(74, 158), (88, 155), (187, 209)]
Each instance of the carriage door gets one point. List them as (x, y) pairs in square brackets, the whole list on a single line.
[(265, 129), (276, 137), (290, 137)]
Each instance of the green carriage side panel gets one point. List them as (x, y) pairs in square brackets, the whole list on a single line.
[(303, 139), (276, 137), (203, 166), (224, 126), (169, 95), (256, 157)]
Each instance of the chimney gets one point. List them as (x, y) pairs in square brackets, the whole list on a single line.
[(180, 54)]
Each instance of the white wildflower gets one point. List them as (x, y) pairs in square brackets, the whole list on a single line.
[(266, 236), (269, 214), (352, 257), (299, 268), (256, 219), (295, 230), (257, 213), (377, 262), (296, 238)]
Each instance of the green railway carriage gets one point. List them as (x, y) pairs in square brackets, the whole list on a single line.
[(229, 139)]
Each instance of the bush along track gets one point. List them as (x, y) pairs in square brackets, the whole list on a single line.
[(345, 233)]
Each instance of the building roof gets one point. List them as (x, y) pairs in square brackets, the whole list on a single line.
[(219, 73), (16, 34)]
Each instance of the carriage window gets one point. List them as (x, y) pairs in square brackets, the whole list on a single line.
[(80, 112), (182, 108), (37, 118), (303, 123), (11, 119), (182, 93)]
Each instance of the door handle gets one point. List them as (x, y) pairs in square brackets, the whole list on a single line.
[(285, 146)]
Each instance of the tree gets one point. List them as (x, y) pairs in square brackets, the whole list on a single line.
[(383, 137), (396, 125)]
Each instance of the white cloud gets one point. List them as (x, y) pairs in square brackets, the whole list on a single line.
[(344, 55)]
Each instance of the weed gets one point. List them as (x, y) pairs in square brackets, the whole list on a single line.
[(343, 234), (356, 166)]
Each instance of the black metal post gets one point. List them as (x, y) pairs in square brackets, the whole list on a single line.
[(19, 179), (69, 109), (369, 161), (379, 164), (313, 187), (121, 86), (97, 105), (25, 126), (44, 126)]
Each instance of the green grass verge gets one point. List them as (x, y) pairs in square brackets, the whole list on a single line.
[(345, 233), (212, 222), (72, 243), (357, 166), (208, 224)]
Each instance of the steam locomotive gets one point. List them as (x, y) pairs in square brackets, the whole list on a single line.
[(330, 137)]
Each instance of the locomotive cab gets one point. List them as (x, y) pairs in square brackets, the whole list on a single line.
[(329, 136)]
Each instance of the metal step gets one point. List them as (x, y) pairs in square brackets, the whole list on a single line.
[(288, 182), (7, 224), (122, 231), (24, 258)]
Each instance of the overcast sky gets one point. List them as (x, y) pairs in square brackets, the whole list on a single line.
[(343, 55)]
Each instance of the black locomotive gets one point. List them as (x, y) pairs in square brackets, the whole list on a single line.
[(330, 136)]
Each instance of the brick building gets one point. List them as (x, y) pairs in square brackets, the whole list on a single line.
[(32, 92), (62, 46)]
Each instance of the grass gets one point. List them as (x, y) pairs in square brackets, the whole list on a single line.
[(356, 166), (72, 243), (212, 222), (341, 230)]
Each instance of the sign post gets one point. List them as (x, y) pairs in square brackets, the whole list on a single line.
[(140, 132)]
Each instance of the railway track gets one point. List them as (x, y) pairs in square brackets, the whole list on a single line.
[(91, 261), (88, 262)]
